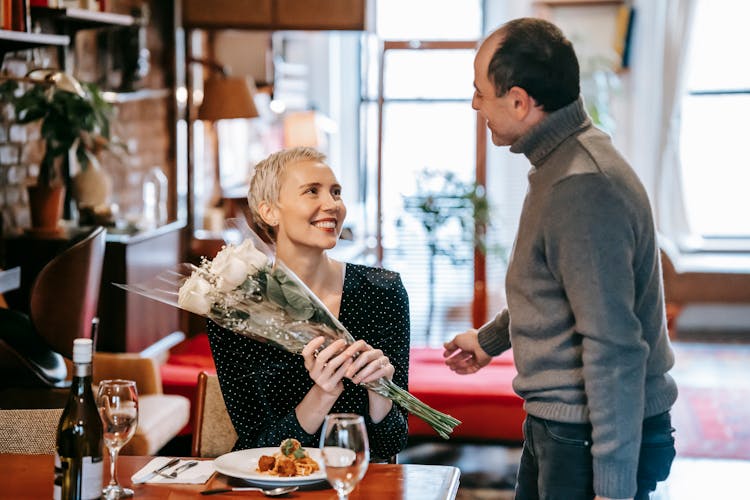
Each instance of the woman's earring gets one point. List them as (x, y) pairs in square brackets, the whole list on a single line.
[(274, 223)]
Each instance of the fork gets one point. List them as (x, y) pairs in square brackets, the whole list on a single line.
[(179, 469)]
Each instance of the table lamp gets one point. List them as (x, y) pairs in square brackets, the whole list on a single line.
[(227, 97)]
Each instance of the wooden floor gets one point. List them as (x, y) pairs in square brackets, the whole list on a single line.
[(488, 471), (699, 479)]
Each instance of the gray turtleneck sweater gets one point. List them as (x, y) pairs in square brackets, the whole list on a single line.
[(585, 302)]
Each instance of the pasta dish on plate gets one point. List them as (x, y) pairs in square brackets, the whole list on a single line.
[(291, 460)]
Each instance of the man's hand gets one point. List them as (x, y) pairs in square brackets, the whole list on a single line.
[(464, 355)]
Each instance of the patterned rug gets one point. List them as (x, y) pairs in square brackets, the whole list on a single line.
[(712, 413), (712, 423)]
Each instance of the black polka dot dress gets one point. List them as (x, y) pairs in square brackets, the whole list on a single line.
[(263, 384)]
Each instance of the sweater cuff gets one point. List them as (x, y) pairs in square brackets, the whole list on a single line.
[(494, 337), (614, 480)]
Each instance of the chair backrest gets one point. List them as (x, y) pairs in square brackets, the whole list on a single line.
[(213, 432), (132, 366), (65, 294), (29, 431)]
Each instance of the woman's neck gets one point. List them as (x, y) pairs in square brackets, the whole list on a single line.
[(315, 268)]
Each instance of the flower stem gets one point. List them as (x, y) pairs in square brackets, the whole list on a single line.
[(441, 422)]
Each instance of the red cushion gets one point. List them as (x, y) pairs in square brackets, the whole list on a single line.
[(203, 361), (179, 375), (197, 344), (484, 401)]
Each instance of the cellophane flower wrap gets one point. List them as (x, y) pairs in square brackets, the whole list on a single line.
[(242, 289)]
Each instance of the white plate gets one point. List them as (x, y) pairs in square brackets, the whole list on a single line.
[(243, 464)]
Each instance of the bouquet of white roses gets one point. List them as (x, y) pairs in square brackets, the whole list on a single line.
[(243, 290)]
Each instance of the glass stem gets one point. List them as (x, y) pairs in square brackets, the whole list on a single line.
[(113, 452)]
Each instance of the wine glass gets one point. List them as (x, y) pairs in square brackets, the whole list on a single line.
[(345, 450), (117, 401)]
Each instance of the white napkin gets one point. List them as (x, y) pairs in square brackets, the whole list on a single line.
[(197, 474)]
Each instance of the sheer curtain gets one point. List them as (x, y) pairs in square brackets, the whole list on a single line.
[(661, 41)]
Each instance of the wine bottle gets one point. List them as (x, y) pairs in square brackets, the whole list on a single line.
[(78, 462)]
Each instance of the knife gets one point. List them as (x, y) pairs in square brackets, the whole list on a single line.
[(156, 472), (179, 469)]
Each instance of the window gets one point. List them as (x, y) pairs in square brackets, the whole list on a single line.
[(715, 110), (427, 122)]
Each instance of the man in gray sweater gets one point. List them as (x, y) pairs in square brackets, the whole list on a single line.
[(585, 313)]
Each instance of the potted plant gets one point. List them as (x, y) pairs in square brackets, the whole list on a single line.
[(74, 123), (440, 198)]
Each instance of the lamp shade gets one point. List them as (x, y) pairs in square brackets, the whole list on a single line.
[(226, 97)]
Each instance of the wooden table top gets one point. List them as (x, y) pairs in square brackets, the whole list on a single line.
[(31, 476)]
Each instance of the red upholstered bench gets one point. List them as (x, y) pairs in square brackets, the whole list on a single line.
[(179, 374), (484, 401)]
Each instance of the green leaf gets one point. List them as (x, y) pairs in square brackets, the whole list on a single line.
[(287, 447), (65, 118), (299, 305), (299, 311), (273, 291)]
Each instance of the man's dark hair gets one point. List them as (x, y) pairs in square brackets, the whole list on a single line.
[(535, 55)]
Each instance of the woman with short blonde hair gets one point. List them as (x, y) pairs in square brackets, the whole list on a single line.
[(272, 394), (266, 182)]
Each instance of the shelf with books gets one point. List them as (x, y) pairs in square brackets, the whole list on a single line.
[(76, 19), (12, 41)]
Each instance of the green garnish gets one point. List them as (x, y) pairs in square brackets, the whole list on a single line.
[(287, 447)]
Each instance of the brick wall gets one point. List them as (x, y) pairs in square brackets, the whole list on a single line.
[(145, 126)]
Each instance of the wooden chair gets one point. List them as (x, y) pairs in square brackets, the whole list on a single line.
[(161, 416), (35, 349), (63, 302), (213, 432)]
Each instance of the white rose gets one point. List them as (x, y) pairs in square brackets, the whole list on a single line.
[(254, 258), (229, 268), (194, 295)]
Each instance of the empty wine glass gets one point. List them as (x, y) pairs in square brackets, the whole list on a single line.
[(118, 407), (345, 450)]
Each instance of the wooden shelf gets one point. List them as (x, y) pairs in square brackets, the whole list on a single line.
[(78, 19), (11, 41), (136, 95), (576, 3)]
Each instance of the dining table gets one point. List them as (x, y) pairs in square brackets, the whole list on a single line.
[(31, 477)]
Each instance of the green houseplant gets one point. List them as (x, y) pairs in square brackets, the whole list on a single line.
[(74, 120), (442, 197)]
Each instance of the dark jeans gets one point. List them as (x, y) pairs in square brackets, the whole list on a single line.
[(556, 462)]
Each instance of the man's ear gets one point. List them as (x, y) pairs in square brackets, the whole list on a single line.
[(522, 102)]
